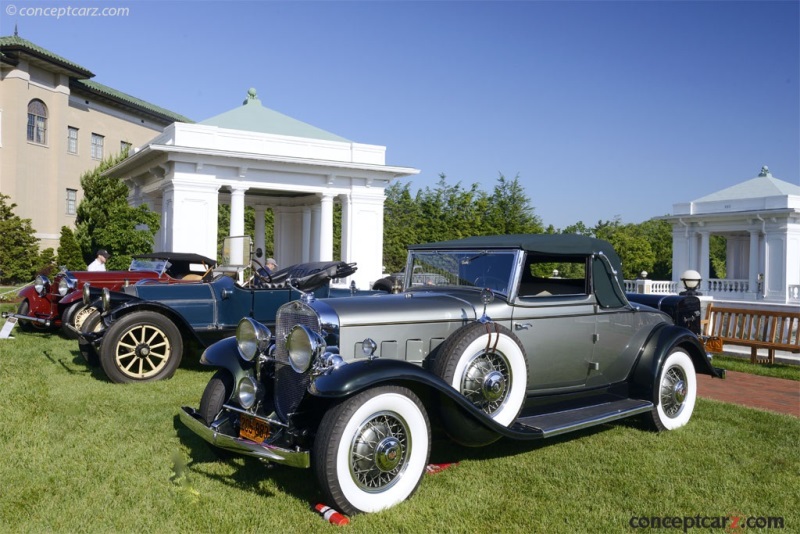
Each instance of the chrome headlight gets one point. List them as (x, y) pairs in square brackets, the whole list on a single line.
[(303, 346), (87, 295), (247, 392), (106, 299), (252, 338), (41, 285), (65, 285)]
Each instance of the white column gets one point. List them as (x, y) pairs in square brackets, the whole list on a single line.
[(315, 233), (258, 229), (277, 232), (752, 275), (704, 256), (306, 234), (237, 222), (693, 263)]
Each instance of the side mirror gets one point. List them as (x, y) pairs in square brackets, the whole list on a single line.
[(259, 252)]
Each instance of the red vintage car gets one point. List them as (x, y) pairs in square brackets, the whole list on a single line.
[(49, 305)]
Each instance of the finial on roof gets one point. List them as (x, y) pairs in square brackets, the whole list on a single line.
[(252, 96), (764, 171), (16, 33)]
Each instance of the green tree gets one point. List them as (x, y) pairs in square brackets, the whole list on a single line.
[(510, 210), (630, 243), (19, 247), (401, 215), (659, 234), (69, 252), (47, 262), (105, 220), (718, 250)]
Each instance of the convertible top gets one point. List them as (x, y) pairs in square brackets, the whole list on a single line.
[(561, 244), (177, 256), (550, 244)]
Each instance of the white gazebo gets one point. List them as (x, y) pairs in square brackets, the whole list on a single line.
[(760, 219), (254, 156)]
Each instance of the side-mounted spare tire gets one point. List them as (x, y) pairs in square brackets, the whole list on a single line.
[(487, 364)]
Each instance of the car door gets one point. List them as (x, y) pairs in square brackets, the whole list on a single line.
[(554, 318)]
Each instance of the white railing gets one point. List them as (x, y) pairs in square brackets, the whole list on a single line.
[(724, 286)]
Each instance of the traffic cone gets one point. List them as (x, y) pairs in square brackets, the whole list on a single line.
[(331, 515)]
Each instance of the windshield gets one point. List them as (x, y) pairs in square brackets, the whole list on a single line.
[(158, 266), (470, 268)]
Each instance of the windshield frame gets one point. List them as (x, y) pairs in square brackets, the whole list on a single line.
[(466, 268)]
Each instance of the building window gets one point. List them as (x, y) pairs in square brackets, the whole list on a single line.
[(124, 147), (72, 198), (97, 146), (72, 140), (37, 122)]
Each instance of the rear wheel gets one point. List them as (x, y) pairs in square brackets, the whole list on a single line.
[(141, 347), (676, 394)]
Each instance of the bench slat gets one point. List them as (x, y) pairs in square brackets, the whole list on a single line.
[(757, 329)]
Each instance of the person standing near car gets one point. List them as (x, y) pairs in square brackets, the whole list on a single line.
[(271, 265), (99, 263)]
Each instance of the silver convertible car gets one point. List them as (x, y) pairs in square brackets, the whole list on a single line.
[(517, 336)]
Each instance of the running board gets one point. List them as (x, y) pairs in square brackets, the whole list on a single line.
[(553, 424)]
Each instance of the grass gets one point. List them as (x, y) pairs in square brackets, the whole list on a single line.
[(743, 365), (80, 454)]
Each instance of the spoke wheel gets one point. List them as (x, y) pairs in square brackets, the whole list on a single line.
[(676, 393), (141, 347), (371, 450)]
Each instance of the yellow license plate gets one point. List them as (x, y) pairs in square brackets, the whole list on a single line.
[(253, 429)]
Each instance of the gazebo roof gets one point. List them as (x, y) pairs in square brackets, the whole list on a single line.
[(251, 116), (763, 185)]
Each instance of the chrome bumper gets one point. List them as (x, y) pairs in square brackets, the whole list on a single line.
[(192, 420), (18, 317)]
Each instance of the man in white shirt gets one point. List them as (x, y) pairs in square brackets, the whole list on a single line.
[(99, 263)]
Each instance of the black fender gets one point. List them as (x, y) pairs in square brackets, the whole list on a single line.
[(655, 350), (224, 354), (360, 375)]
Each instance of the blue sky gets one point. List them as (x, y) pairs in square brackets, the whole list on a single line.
[(602, 109)]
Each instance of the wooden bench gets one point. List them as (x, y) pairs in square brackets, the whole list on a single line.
[(757, 329)]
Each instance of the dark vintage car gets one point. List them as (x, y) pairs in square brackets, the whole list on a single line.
[(46, 305), (491, 346), (139, 334)]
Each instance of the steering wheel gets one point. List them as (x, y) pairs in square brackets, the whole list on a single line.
[(260, 273)]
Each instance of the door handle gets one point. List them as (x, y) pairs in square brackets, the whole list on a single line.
[(522, 326)]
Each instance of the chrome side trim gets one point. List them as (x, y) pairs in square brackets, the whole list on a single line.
[(299, 458)]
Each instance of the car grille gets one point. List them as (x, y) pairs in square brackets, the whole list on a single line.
[(290, 386)]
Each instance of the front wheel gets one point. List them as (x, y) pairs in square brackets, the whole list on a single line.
[(218, 390), (371, 450), (141, 347), (676, 393), (92, 323)]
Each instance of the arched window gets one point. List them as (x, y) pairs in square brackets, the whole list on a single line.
[(37, 122)]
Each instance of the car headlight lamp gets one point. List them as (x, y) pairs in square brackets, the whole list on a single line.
[(65, 285), (106, 299), (304, 346), (41, 285), (247, 392), (252, 338)]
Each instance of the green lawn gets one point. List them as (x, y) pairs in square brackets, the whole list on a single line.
[(80, 454)]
